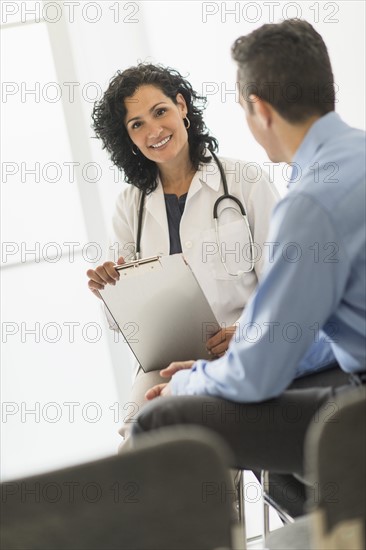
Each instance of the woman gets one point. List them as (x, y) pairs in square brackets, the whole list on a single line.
[(150, 121)]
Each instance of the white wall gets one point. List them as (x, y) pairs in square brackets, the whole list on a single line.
[(193, 37)]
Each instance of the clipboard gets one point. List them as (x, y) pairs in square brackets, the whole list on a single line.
[(161, 310)]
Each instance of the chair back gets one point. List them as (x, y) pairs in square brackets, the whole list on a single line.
[(171, 492), (335, 463)]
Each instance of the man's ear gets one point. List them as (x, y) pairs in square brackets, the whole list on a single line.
[(262, 110)]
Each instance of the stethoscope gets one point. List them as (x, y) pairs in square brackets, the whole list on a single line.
[(225, 196)]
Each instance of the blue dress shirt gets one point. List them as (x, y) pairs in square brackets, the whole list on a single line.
[(313, 287)]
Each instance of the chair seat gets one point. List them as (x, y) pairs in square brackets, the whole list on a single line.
[(294, 536)]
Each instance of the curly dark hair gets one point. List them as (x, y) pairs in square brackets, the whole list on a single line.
[(109, 116)]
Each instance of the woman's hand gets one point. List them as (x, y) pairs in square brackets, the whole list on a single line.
[(102, 275), (219, 342)]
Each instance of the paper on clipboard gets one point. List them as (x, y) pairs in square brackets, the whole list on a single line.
[(161, 311)]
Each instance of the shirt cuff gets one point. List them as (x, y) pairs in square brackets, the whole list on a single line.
[(180, 381)]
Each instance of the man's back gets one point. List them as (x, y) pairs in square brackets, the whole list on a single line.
[(332, 184), (314, 278)]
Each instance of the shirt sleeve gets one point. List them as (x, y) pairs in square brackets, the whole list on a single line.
[(298, 293), (319, 356)]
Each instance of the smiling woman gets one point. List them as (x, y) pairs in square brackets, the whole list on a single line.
[(145, 124), (143, 96), (156, 126), (150, 121)]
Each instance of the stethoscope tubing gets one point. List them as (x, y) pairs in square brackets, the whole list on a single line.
[(226, 195)]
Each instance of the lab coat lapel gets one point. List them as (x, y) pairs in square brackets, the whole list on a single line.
[(155, 207), (207, 174), (195, 186)]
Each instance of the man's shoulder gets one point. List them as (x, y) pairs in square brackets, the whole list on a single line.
[(335, 177)]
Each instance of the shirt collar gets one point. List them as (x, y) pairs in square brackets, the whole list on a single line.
[(328, 125)]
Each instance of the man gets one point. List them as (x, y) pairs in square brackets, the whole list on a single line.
[(315, 279)]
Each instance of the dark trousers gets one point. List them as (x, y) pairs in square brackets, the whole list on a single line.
[(267, 435)]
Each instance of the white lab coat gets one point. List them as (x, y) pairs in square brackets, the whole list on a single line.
[(226, 294)]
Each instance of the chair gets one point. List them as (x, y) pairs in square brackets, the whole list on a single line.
[(286, 493), (283, 492), (169, 493), (335, 466)]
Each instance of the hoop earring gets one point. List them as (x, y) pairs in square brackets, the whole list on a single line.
[(188, 124), (133, 151)]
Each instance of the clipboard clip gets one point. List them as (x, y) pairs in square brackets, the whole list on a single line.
[(137, 263)]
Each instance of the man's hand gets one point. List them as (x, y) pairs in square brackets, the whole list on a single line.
[(175, 367), (219, 342), (161, 390)]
